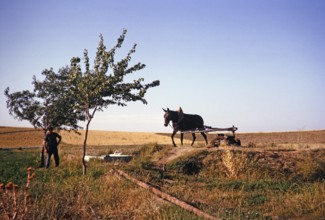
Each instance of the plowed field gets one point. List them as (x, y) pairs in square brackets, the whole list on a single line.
[(29, 137)]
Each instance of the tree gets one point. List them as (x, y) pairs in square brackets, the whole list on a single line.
[(104, 85), (49, 103)]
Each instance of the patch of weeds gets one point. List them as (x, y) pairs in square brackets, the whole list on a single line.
[(96, 169), (43, 176), (14, 199), (232, 213), (273, 144), (147, 165), (249, 186), (251, 145), (282, 186), (274, 185), (96, 173), (211, 185), (156, 148), (13, 165), (257, 199), (311, 169), (175, 212), (145, 170), (148, 150), (142, 158), (228, 213), (231, 185), (189, 166), (251, 215)]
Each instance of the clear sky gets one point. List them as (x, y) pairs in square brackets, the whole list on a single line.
[(255, 64)]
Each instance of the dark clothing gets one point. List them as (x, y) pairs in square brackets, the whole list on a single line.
[(51, 143), (56, 157), (51, 140)]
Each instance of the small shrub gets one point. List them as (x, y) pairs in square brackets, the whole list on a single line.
[(273, 144), (187, 167), (191, 167), (256, 199), (311, 169), (236, 163), (251, 145), (228, 162)]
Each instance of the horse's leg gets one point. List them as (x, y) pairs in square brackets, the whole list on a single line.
[(205, 138), (194, 137), (182, 135), (173, 134)]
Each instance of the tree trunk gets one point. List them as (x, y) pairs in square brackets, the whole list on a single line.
[(42, 152), (84, 166)]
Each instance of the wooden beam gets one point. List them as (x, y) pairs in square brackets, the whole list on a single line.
[(166, 196), (210, 129)]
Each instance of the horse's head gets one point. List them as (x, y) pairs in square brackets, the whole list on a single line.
[(167, 116)]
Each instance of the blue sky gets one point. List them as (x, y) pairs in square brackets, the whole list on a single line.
[(255, 64)]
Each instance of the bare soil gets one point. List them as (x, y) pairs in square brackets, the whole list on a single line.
[(291, 137), (29, 137), (20, 137)]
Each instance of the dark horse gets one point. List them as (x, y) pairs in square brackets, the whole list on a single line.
[(183, 122)]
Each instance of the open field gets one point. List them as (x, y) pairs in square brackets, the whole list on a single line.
[(27, 137), (272, 176), (20, 137), (102, 138)]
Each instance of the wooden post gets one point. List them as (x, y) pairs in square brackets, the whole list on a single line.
[(166, 196)]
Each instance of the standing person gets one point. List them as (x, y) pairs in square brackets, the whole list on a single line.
[(51, 145)]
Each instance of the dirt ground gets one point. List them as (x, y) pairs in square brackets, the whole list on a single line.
[(29, 137), (20, 137)]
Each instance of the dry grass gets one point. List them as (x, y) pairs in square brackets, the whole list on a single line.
[(106, 197), (28, 137), (64, 193), (101, 138), (233, 163), (20, 137), (294, 137), (281, 177), (14, 202), (251, 184)]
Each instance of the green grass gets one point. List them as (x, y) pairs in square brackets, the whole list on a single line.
[(265, 186), (64, 193), (13, 165)]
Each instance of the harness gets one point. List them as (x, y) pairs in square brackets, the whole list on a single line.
[(179, 120)]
